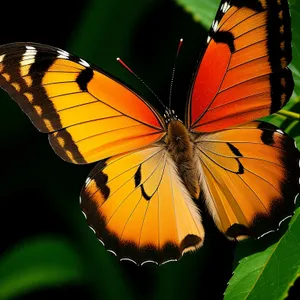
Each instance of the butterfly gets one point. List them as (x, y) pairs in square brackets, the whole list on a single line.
[(141, 199)]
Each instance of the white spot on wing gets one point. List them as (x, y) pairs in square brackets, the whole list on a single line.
[(295, 200), (279, 224), (228, 6), (165, 262), (84, 214), (2, 57), (215, 25), (265, 234), (128, 259), (80, 200), (88, 180), (149, 261), (208, 39), (63, 52), (113, 252), (92, 229), (101, 242), (30, 52), (30, 48), (29, 55), (279, 131), (284, 220), (84, 63), (63, 56), (224, 7)]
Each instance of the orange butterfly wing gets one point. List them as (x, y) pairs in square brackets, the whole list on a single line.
[(251, 178), (140, 209), (88, 114), (243, 73)]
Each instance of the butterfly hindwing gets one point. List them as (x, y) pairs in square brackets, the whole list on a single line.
[(243, 74), (140, 209), (89, 115), (251, 178)]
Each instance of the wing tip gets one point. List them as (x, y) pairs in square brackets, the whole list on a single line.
[(64, 146)]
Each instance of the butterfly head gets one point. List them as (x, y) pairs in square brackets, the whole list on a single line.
[(178, 138), (170, 115)]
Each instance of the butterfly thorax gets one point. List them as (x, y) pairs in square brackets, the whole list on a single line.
[(180, 145)]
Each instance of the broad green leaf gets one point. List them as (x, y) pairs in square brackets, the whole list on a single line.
[(38, 263), (269, 274), (202, 10), (295, 67)]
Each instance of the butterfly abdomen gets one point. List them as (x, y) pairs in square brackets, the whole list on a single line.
[(181, 148)]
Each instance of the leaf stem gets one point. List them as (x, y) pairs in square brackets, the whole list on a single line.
[(289, 114)]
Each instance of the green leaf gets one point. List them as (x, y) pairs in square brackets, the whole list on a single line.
[(38, 263), (295, 67), (202, 10), (269, 274)]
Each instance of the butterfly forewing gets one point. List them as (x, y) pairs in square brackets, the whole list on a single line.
[(89, 115), (243, 73)]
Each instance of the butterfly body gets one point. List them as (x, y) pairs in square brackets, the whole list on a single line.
[(140, 197), (181, 146)]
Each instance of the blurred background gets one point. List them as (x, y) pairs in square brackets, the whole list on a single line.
[(47, 251)]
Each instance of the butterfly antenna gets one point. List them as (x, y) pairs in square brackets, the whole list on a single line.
[(140, 79), (173, 71)]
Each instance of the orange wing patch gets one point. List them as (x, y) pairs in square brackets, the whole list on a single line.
[(88, 114), (140, 209), (251, 178), (243, 74)]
